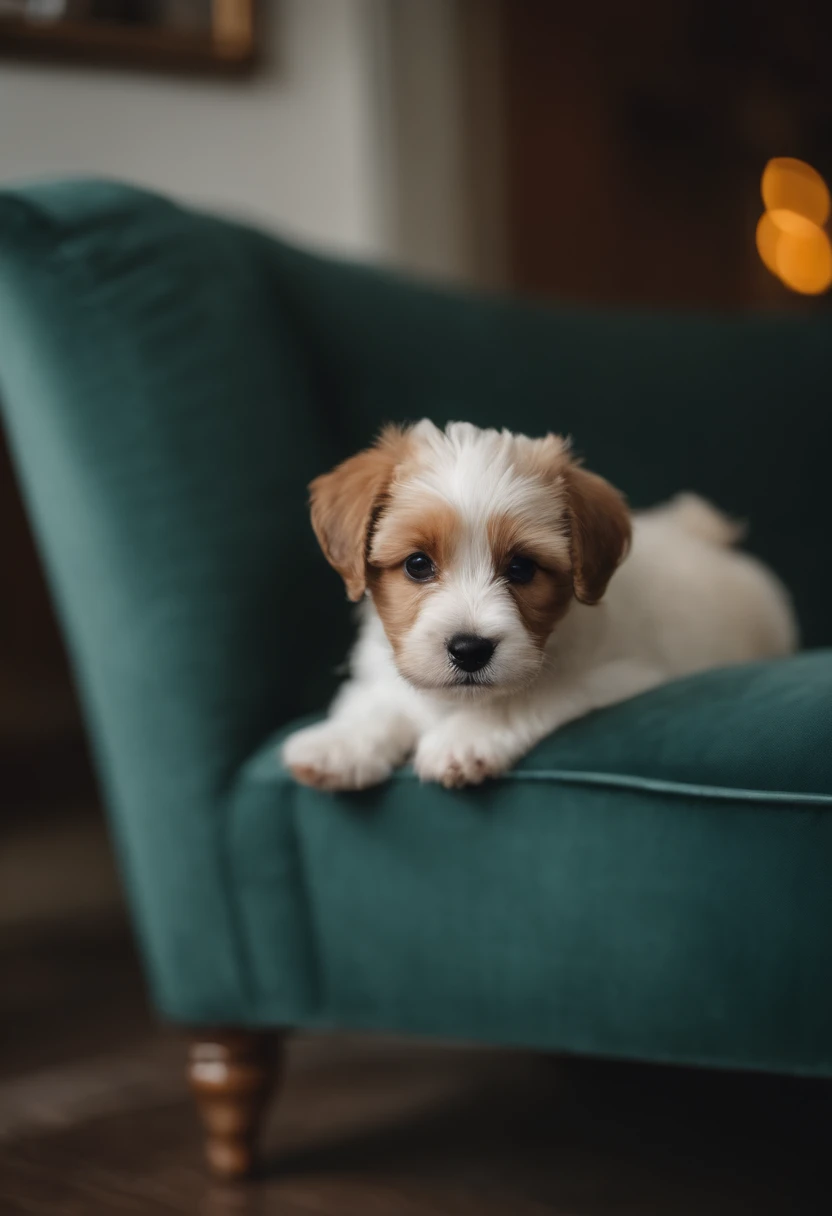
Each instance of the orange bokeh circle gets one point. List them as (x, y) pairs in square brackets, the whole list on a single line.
[(804, 263), (792, 185), (792, 223), (768, 238)]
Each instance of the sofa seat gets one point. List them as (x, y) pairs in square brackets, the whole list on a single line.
[(651, 881)]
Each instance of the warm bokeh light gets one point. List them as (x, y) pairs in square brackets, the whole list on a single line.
[(791, 241), (792, 223), (768, 238), (792, 185), (804, 263)]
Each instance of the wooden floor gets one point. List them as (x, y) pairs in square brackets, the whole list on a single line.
[(94, 1120)]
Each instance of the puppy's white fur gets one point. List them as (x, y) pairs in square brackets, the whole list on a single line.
[(683, 600)]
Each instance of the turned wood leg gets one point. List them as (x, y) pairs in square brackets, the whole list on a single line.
[(232, 1074)]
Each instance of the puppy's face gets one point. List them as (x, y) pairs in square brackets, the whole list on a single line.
[(472, 544)]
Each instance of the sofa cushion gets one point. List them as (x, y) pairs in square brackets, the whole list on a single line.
[(651, 881)]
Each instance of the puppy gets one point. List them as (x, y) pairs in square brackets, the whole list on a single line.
[(506, 591)]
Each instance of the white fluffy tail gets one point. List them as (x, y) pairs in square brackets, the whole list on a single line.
[(699, 518)]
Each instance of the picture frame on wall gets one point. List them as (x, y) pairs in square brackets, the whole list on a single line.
[(216, 36)]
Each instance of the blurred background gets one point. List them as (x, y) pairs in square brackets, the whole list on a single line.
[(599, 154)]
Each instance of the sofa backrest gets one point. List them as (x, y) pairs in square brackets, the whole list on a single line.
[(172, 382)]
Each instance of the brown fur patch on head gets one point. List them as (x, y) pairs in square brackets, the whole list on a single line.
[(397, 601), (433, 530), (344, 502), (545, 542), (600, 532), (598, 521), (545, 458), (543, 601)]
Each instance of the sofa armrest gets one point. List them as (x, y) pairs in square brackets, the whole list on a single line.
[(152, 387)]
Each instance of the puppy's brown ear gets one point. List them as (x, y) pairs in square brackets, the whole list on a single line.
[(599, 532), (343, 503)]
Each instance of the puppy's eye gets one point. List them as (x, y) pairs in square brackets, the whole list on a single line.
[(520, 570), (419, 567)]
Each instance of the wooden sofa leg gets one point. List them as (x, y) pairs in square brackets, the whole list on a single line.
[(232, 1074)]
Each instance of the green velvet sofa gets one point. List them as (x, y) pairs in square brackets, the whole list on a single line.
[(653, 882)]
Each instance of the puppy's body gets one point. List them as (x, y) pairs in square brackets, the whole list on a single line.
[(483, 507)]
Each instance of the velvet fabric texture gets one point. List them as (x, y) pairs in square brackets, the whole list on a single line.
[(653, 881)]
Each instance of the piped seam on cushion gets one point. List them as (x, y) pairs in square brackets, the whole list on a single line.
[(653, 785), (658, 785)]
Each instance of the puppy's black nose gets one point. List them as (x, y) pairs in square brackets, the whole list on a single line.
[(469, 652)]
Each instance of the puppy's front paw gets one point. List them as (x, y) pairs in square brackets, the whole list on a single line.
[(464, 753), (335, 756)]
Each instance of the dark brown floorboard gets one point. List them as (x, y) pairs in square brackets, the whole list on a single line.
[(94, 1120)]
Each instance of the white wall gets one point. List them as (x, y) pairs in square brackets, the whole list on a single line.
[(372, 128), (444, 151), (297, 147)]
